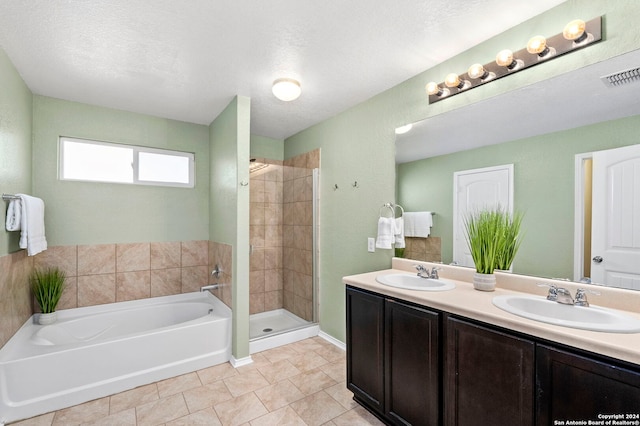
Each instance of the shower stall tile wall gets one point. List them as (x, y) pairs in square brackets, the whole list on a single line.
[(15, 302), (281, 235)]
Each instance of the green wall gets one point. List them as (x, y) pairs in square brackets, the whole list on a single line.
[(543, 189), (358, 144), (95, 213), (15, 143), (263, 147), (229, 138)]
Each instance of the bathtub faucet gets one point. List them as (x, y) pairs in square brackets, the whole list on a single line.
[(210, 287)]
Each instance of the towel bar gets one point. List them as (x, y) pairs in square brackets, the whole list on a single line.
[(7, 197)]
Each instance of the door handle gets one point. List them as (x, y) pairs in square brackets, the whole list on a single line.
[(598, 259)]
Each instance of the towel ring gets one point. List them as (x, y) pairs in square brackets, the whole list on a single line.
[(387, 206), (401, 210)]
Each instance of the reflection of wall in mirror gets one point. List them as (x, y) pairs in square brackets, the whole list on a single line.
[(544, 189)]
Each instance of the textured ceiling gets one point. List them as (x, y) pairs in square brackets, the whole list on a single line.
[(186, 60)]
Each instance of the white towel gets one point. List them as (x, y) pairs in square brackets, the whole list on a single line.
[(14, 215), (386, 228), (399, 233), (32, 225), (417, 224)]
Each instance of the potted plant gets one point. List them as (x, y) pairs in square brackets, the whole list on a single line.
[(493, 240), (511, 240), (47, 286)]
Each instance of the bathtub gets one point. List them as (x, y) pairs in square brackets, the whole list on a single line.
[(100, 350)]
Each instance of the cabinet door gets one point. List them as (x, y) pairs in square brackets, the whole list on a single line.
[(411, 364), (365, 327), (488, 376), (574, 387)]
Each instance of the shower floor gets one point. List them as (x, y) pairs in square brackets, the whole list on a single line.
[(268, 330), (273, 322)]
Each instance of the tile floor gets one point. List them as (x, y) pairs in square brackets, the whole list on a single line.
[(302, 383)]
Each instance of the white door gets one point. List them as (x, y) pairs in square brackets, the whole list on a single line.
[(615, 244), (473, 190)]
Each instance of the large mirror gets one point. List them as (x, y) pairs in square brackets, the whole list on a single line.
[(548, 131)]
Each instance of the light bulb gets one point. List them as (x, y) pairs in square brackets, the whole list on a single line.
[(504, 58), (286, 89), (477, 71), (575, 30), (452, 80), (432, 88), (538, 46)]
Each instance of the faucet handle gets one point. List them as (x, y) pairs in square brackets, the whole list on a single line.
[(581, 297), (553, 291)]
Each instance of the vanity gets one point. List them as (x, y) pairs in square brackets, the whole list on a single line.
[(453, 357)]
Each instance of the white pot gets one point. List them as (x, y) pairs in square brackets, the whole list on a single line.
[(484, 282), (45, 319)]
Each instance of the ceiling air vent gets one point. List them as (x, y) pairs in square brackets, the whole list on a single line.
[(622, 78)]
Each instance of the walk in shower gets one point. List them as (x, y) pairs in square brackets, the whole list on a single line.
[(283, 238)]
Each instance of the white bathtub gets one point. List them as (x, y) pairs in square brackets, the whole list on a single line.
[(101, 350)]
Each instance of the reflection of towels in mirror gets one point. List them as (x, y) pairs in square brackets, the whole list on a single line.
[(417, 224), (399, 233), (386, 230), (14, 215)]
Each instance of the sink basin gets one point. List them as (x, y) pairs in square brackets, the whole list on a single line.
[(414, 282), (592, 318)]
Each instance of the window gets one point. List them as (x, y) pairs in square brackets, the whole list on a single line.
[(88, 160)]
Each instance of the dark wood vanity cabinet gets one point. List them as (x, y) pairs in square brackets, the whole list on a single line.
[(573, 387), (409, 364), (489, 376), (365, 347), (393, 358)]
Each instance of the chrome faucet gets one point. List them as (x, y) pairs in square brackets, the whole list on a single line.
[(562, 295), (424, 272), (581, 297), (210, 287)]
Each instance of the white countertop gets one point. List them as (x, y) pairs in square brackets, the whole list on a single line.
[(465, 301)]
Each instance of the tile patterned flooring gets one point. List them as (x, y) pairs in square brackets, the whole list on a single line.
[(302, 383)]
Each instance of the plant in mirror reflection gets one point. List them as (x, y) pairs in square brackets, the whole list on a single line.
[(493, 238)]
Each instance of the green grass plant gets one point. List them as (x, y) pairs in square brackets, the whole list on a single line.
[(493, 237), (47, 286)]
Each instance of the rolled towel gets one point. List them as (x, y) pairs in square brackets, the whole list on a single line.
[(14, 215), (386, 227), (399, 232), (417, 224), (32, 237)]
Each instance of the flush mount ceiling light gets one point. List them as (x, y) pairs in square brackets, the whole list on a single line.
[(403, 129), (286, 89), (575, 35)]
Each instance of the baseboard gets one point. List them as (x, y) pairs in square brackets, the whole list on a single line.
[(332, 339), (235, 363)]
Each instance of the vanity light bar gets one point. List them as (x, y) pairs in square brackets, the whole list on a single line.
[(576, 35)]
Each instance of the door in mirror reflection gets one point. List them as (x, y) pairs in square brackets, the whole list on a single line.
[(474, 190), (615, 244)]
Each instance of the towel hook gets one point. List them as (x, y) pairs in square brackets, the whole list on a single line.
[(355, 184)]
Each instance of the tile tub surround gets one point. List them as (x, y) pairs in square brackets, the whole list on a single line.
[(470, 303), (302, 383), (107, 273), (15, 301)]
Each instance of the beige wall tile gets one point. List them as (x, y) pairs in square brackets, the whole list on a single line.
[(273, 300), (96, 289), (256, 282), (96, 259), (194, 277), (133, 285), (256, 260), (195, 253), (133, 257), (256, 303), (273, 279), (165, 255), (69, 297), (165, 282), (63, 257)]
